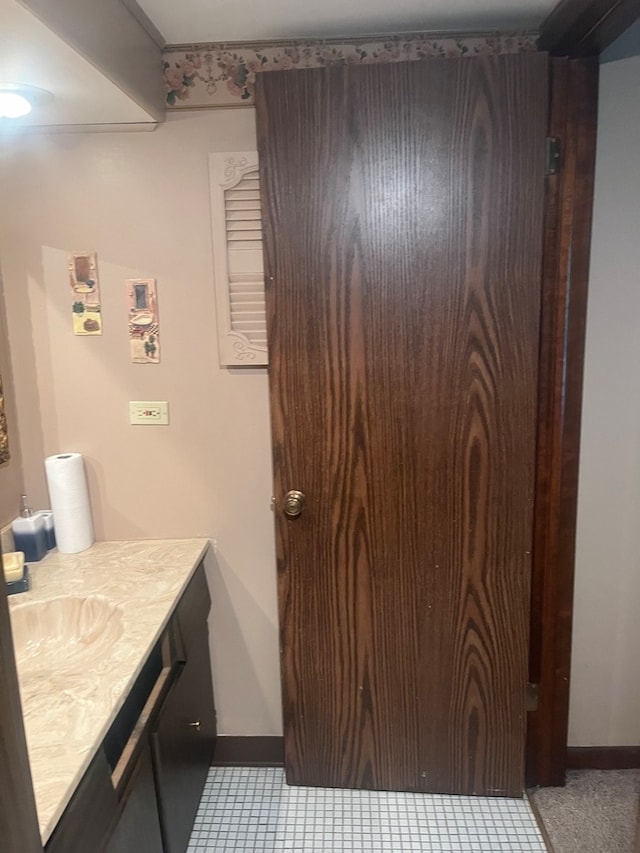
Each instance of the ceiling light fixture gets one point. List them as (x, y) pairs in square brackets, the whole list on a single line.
[(13, 105), (18, 99)]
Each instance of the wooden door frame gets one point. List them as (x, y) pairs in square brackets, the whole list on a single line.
[(585, 28), (578, 31), (564, 296)]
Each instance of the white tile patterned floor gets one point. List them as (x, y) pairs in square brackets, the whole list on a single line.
[(254, 809)]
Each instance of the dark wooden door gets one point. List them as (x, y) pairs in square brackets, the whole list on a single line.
[(403, 231)]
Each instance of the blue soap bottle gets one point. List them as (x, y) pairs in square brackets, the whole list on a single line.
[(29, 533), (49, 529)]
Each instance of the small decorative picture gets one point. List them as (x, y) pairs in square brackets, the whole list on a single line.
[(86, 308), (144, 323)]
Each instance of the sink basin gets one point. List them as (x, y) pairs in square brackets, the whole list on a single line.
[(64, 633)]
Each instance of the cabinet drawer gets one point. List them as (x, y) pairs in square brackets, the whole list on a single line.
[(182, 744)]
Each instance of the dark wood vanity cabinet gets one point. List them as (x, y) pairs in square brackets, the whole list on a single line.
[(141, 792), (183, 738), (182, 746)]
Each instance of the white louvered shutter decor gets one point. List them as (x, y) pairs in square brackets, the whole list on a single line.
[(236, 224)]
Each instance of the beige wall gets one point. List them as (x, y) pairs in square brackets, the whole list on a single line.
[(142, 202), (605, 689), (11, 481)]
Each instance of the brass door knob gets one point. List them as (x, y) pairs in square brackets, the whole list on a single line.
[(293, 503), (195, 725)]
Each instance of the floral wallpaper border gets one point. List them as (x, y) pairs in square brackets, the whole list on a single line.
[(223, 75)]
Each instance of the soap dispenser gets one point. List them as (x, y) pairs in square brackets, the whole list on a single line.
[(29, 533)]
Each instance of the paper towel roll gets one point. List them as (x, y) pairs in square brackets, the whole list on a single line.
[(70, 503)]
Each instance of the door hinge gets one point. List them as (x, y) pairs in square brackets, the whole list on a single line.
[(553, 155), (533, 695)]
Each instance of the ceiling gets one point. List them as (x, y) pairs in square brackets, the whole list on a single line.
[(30, 53), (197, 21)]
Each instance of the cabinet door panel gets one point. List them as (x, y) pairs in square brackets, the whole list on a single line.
[(138, 830), (92, 812), (182, 745)]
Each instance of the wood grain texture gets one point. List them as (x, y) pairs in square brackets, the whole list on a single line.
[(403, 228), (576, 28), (567, 241), (18, 819)]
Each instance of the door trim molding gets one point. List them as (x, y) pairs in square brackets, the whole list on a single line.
[(566, 254), (575, 28)]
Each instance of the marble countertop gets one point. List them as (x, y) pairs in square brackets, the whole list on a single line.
[(67, 711)]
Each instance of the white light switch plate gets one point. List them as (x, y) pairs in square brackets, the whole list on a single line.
[(148, 412)]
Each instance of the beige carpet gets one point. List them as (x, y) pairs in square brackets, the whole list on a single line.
[(596, 812)]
